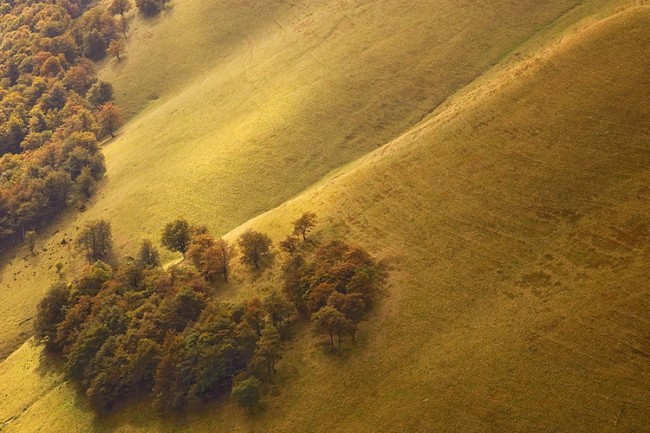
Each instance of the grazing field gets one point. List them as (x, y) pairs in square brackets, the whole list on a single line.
[(256, 101), (515, 220)]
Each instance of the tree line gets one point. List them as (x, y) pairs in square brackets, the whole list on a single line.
[(53, 109), (144, 329)]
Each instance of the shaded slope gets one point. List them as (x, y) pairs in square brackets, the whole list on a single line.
[(259, 100), (516, 225)]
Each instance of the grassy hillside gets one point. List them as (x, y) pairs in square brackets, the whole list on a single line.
[(515, 221), (255, 101)]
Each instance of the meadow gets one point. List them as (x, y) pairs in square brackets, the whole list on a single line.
[(502, 177)]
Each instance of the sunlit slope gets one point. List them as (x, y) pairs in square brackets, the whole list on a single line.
[(306, 88), (516, 225), (259, 100)]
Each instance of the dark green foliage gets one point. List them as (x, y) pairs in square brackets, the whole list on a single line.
[(95, 241), (280, 311), (144, 329), (92, 282), (100, 93), (149, 7), (247, 392), (255, 248), (296, 283), (94, 45), (267, 350), (331, 321), (82, 353), (176, 236), (51, 311), (148, 256), (183, 308)]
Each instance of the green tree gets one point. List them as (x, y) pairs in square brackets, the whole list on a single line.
[(176, 236), (304, 224), (332, 322), (267, 350), (51, 311), (100, 93), (83, 350), (255, 248), (247, 392), (211, 256), (279, 310), (95, 240), (351, 305), (148, 256)]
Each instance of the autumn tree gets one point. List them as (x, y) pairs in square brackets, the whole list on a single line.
[(110, 118), (255, 248), (290, 245), (120, 7), (116, 48), (211, 256), (254, 314), (304, 224), (176, 236), (95, 240), (225, 252)]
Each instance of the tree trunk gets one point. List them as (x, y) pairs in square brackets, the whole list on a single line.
[(332, 340)]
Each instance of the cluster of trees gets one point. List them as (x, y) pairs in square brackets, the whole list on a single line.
[(144, 329), (53, 109), (334, 288)]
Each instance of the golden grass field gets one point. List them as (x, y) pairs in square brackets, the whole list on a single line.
[(495, 156)]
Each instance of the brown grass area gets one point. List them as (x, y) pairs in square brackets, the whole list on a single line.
[(256, 101)]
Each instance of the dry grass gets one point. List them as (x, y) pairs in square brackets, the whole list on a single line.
[(256, 101), (515, 221)]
